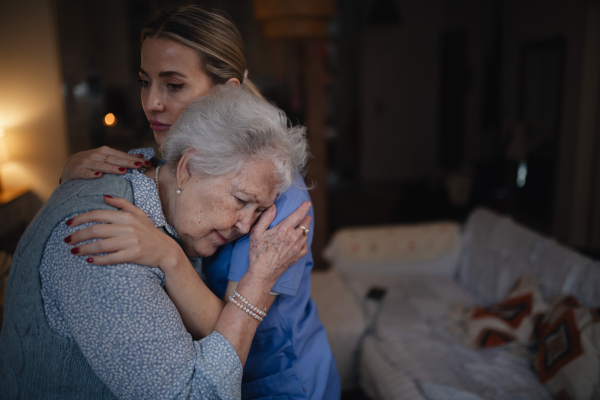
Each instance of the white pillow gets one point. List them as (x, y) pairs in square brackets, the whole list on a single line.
[(423, 249)]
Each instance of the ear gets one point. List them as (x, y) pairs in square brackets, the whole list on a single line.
[(183, 170), (233, 81)]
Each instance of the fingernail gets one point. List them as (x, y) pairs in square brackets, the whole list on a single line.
[(108, 195), (122, 169), (89, 259), (69, 222), (139, 155), (147, 163), (68, 239), (75, 250), (137, 163), (97, 173)]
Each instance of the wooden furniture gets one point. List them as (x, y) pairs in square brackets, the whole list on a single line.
[(17, 209)]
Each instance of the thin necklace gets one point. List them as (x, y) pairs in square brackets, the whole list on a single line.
[(156, 179)]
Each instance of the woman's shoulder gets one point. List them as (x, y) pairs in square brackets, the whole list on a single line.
[(288, 201), (112, 185), (75, 197)]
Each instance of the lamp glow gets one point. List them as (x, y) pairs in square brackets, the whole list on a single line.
[(110, 119), (3, 152)]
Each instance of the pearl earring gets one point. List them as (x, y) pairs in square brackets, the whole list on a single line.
[(178, 191)]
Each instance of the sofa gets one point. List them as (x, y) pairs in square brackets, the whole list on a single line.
[(394, 297)]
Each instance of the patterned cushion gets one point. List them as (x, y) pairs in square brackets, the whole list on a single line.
[(568, 359), (512, 320)]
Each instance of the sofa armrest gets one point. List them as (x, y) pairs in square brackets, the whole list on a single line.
[(341, 313)]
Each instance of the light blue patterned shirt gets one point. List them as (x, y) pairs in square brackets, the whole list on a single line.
[(126, 325)]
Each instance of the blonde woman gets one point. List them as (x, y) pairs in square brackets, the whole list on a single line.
[(186, 51)]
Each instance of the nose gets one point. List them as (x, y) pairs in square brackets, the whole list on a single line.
[(245, 220), (153, 101)]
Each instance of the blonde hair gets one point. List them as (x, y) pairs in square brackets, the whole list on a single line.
[(212, 34)]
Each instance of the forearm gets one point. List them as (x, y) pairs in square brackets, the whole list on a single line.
[(202, 312), (198, 306), (236, 325)]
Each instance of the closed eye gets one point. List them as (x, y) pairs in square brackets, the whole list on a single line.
[(175, 87)]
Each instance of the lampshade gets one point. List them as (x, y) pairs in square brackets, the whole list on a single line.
[(293, 19)]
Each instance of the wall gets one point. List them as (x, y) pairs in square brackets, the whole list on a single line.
[(583, 205), (399, 93), (538, 20), (31, 107)]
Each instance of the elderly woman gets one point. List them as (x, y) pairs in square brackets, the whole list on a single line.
[(77, 330)]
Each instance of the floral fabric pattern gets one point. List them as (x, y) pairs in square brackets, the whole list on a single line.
[(126, 325)]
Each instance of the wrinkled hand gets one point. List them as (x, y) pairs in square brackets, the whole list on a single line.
[(90, 164), (273, 251), (128, 236)]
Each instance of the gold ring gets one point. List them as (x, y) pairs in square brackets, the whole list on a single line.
[(305, 230), (105, 159)]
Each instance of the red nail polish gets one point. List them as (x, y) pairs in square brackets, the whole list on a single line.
[(147, 163), (109, 196), (89, 259), (122, 169), (69, 222), (138, 163), (75, 250), (97, 173), (68, 239)]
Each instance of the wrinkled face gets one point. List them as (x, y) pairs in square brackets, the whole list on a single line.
[(171, 77), (213, 211)]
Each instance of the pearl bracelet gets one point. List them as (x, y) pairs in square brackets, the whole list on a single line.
[(244, 308), (247, 303)]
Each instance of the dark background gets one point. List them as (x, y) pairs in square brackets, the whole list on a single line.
[(435, 107)]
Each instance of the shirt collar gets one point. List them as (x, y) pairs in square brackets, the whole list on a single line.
[(146, 195)]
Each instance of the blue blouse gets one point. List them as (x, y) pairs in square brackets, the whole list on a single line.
[(290, 355), (126, 325)]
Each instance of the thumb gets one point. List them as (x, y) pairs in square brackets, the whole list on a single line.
[(265, 220), (122, 204)]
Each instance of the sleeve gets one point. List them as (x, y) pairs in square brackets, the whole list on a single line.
[(289, 282), (129, 330)]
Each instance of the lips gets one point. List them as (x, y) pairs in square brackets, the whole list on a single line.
[(158, 126), (221, 237)]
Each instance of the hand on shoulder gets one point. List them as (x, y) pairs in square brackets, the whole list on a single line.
[(91, 164)]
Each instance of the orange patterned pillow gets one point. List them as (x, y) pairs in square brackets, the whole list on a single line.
[(512, 320), (568, 358)]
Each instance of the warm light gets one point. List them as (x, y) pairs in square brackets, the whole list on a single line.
[(110, 119), (3, 155), (3, 152)]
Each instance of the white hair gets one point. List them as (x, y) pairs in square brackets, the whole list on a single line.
[(230, 126)]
